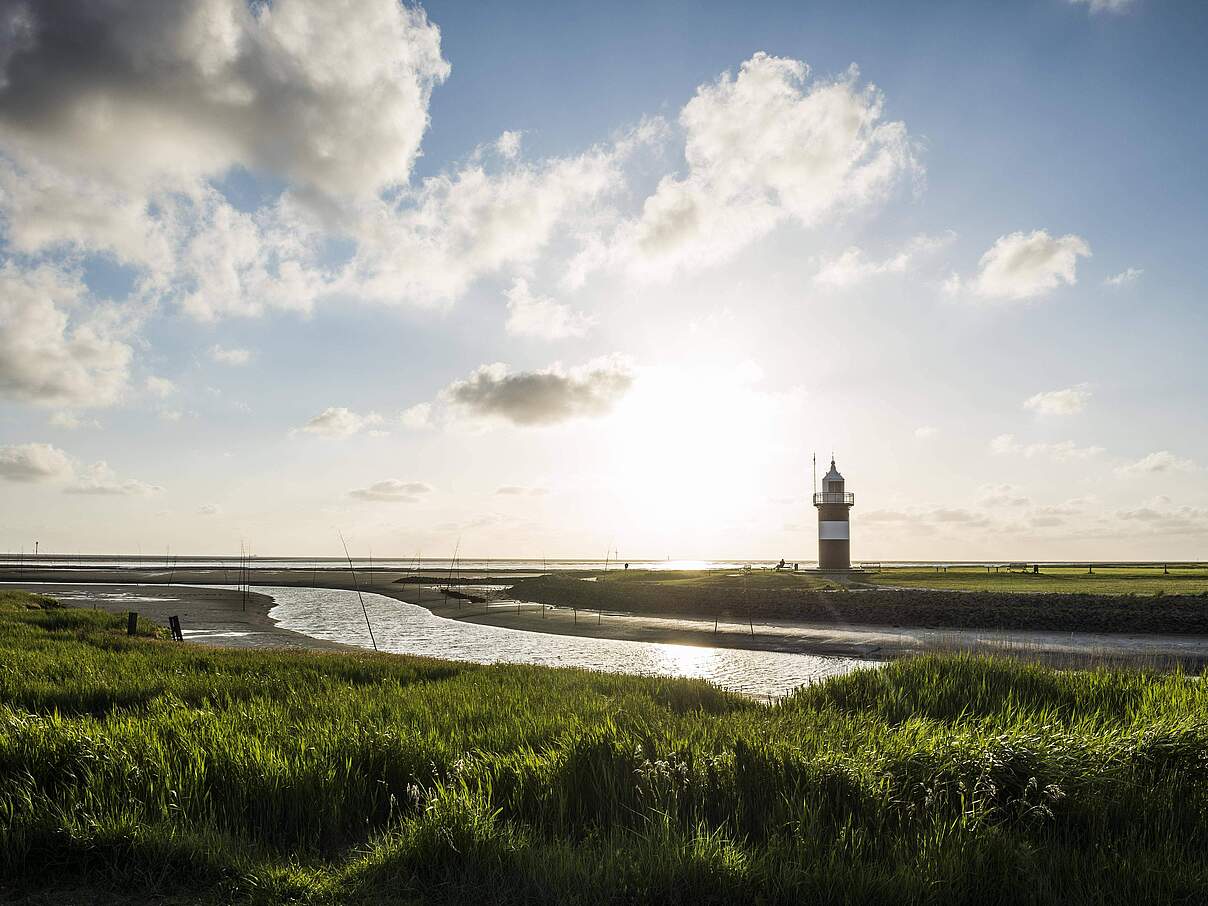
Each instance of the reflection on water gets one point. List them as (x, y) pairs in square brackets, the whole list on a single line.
[(410, 629)]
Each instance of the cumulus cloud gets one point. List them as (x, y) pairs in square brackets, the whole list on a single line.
[(764, 147), (209, 509), (430, 244), (924, 432), (339, 421), (330, 96), (1129, 275), (542, 397), (100, 479), (852, 267), (55, 350), (417, 416), (1063, 451), (1160, 461), (1024, 265), (392, 490), (1069, 401), (230, 355), (543, 318), (34, 462)]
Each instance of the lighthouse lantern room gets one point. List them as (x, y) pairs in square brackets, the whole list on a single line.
[(834, 505)]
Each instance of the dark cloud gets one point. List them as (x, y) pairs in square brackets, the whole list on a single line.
[(332, 97), (543, 397)]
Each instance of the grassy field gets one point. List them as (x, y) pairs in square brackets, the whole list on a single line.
[(964, 599), (1102, 581), (1061, 580), (139, 767)]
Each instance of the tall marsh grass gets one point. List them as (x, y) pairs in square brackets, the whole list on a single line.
[(140, 767)]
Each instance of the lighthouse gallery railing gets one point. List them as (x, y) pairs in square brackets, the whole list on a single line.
[(842, 497)]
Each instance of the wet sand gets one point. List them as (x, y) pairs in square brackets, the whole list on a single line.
[(208, 616)]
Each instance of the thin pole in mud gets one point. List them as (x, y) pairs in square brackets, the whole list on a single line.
[(746, 584), (356, 585), (449, 580)]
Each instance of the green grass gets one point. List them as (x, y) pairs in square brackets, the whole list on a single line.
[(1102, 581), (963, 599), (138, 767)]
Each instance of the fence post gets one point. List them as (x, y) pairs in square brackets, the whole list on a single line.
[(131, 623)]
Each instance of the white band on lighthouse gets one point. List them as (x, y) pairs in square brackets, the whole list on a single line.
[(834, 530)]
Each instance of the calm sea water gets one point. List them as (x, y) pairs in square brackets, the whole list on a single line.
[(404, 628)]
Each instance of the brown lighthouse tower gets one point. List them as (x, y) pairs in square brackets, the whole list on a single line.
[(834, 525)]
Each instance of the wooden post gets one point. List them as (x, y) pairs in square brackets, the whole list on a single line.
[(174, 625), (131, 623)]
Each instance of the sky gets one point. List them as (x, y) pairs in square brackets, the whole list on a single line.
[(554, 280)]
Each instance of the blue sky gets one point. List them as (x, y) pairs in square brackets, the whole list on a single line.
[(557, 279)]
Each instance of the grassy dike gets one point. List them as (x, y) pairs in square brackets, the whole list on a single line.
[(1137, 603), (133, 767)]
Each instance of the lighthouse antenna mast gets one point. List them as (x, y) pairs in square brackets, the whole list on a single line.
[(815, 475)]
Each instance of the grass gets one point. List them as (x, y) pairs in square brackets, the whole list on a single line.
[(133, 768), (1102, 581), (909, 597)]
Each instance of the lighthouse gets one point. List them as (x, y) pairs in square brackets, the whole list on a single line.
[(834, 536)]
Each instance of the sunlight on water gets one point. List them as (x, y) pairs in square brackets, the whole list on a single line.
[(410, 629)]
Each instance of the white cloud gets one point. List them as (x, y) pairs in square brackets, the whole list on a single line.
[(762, 148), (34, 462), (392, 490), (515, 490), (508, 144), (54, 350), (1106, 6), (161, 387), (330, 95), (1064, 451), (1069, 401), (1025, 265), (338, 421), (70, 421), (1160, 461), (541, 317), (209, 509), (923, 432), (417, 416), (230, 355), (852, 267), (428, 246), (1128, 275), (99, 479), (542, 397), (1184, 520)]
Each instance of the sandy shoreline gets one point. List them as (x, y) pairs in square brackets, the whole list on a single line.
[(217, 616)]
